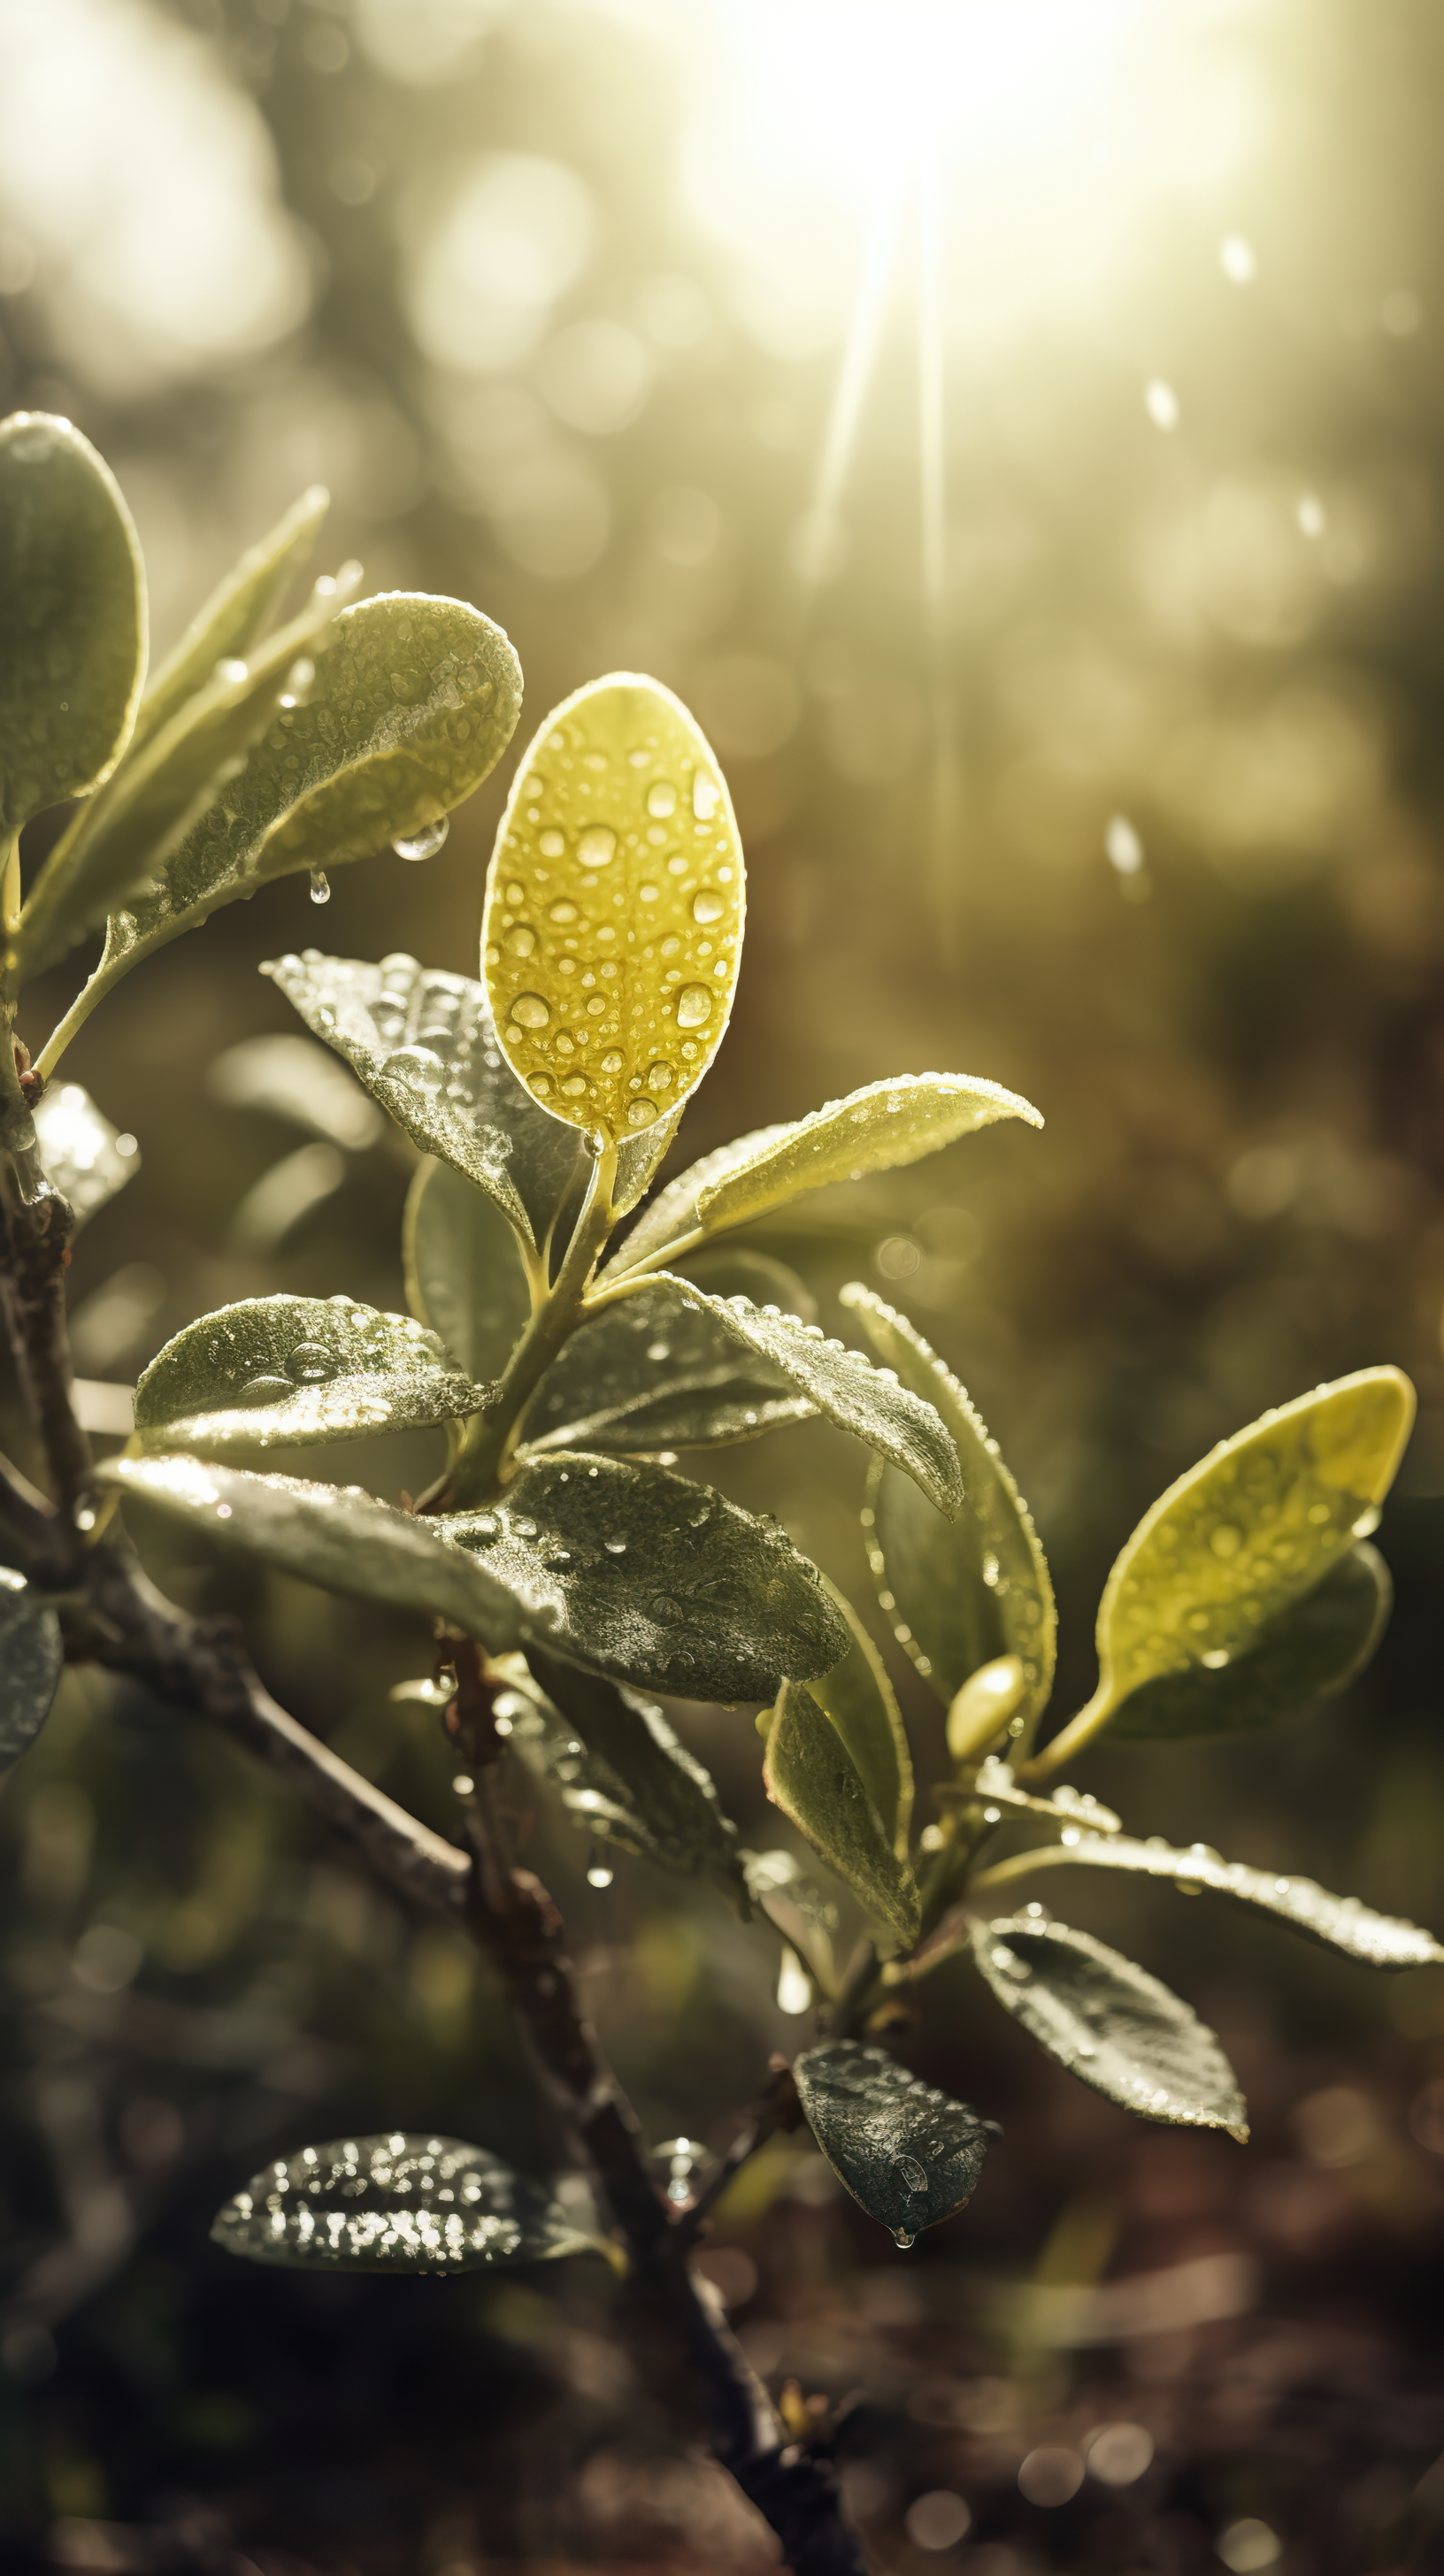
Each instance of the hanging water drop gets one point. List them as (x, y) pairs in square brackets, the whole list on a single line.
[(424, 842), (320, 887), (902, 2240), (794, 1986), (599, 1875)]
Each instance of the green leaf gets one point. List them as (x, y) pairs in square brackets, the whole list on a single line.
[(423, 1044), (412, 705), (72, 617), (699, 1598), (289, 1077), (289, 1372), (1337, 1922), (1247, 1533), (667, 1798), (638, 1158), (658, 1371), (810, 1774), (908, 2154), (797, 1906), (672, 1217), (1311, 1650), (397, 2204), (886, 1123), (612, 932), (959, 1595), (1110, 2023), (237, 615), (31, 1657), (80, 1151), (464, 1273), (862, 1704)]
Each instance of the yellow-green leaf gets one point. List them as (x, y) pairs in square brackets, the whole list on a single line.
[(811, 1775), (236, 615), (614, 911), (72, 617), (1307, 1651), (862, 1704)]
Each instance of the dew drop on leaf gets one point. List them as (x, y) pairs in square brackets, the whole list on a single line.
[(597, 847), (707, 904), (424, 842), (694, 1006), (530, 1011)]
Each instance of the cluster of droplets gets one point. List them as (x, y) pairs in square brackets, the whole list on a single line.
[(373, 1344), (422, 2199)]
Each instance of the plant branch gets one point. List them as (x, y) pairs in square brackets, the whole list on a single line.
[(36, 1225)]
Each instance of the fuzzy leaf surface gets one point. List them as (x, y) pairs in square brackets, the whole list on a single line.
[(239, 613), (1110, 2023), (670, 1799), (658, 1371), (464, 1273), (908, 2154), (612, 932), (1337, 1922), (423, 1044), (1310, 1650), (811, 1775), (884, 1124), (289, 1372), (396, 2204), (1249, 1531), (72, 617), (80, 1150), (31, 1658), (959, 1594), (862, 1704)]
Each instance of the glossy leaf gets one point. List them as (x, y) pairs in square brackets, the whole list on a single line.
[(908, 2154), (72, 617), (1110, 2023), (289, 1372), (862, 1704), (612, 932), (397, 2204), (958, 1594), (671, 1218), (237, 615), (464, 1272), (1249, 1531), (667, 1801), (423, 1044), (412, 704), (811, 1775), (1338, 1922), (1305, 1652), (80, 1150), (658, 1371), (31, 1657)]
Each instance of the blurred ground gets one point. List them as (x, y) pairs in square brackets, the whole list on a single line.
[(1116, 780)]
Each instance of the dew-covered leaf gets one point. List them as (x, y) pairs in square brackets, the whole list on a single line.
[(464, 1272), (862, 1704), (86, 1158), (1308, 1651), (411, 705), (72, 617), (1110, 2023), (671, 1217), (1248, 1532), (908, 2154), (31, 1657), (237, 615), (665, 1798), (397, 2204), (290, 1372), (613, 925), (959, 1594), (423, 1044), (1338, 1922), (811, 1775), (658, 1371)]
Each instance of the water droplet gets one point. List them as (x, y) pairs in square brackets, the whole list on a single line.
[(990, 1570), (599, 1875), (425, 841), (320, 888), (1215, 1659), (417, 1065), (641, 1113), (1226, 1540), (576, 1086), (310, 1364), (694, 1006), (541, 1084), (613, 1061), (530, 1011), (902, 2240), (232, 672), (648, 893), (520, 940), (708, 904), (562, 912), (662, 799), (910, 2173), (552, 845), (597, 847), (615, 1546), (660, 1076), (263, 1390), (706, 797)]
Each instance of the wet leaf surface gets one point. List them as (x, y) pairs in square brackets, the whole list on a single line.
[(1338, 1922), (811, 1775), (395, 2203), (1111, 2024), (884, 1124), (1307, 1651), (464, 1272), (659, 1371), (908, 2154), (660, 1801), (31, 1657), (290, 1372), (613, 925), (80, 1150), (862, 1704), (672, 1216)]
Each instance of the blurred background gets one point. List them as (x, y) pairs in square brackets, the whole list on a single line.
[(1015, 431)]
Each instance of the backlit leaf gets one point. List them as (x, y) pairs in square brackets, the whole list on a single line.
[(397, 2204), (862, 1704), (241, 611), (668, 1799), (810, 1774), (1307, 1651), (639, 1155), (423, 1044), (80, 1150), (658, 1371), (962, 1593), (801, 1910), (1110, 2023), (464, 1271), (671, 1217), (908, 2154), (72, 617), (289, 1372), (613, 925), (31, 1657)]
